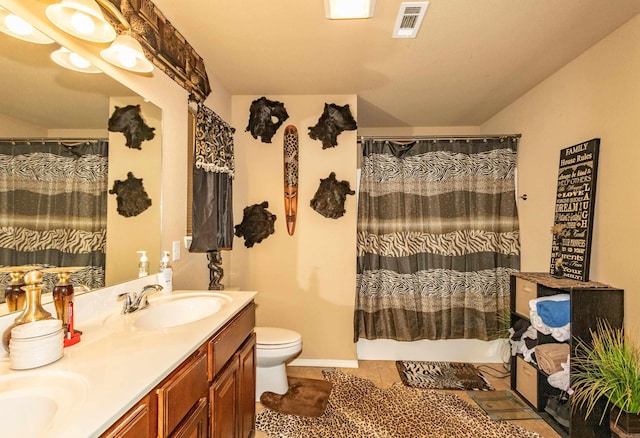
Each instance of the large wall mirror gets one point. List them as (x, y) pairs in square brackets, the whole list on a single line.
[(43, 101)]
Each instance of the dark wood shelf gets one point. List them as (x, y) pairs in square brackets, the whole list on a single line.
[(590, 301)]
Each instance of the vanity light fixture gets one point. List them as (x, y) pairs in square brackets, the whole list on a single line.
[(349, 9), (72, 61), (82, 19), (126, 52), (18, 28)]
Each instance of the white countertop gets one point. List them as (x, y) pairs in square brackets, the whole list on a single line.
[(121, 367)]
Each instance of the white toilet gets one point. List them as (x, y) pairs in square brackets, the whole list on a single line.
[(274, 347)]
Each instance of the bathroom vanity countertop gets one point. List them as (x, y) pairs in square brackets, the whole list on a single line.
[(120, 367)]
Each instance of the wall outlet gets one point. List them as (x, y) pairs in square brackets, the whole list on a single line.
[(175, 254)]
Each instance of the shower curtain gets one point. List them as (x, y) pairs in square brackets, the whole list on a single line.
[(53, 207), (437, 238)]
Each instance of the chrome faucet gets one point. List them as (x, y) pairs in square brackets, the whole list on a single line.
[(137, 301)]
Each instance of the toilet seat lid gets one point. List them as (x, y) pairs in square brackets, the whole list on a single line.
[(276, 336)]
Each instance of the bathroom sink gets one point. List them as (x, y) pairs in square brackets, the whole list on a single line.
[(33, 403), (172, 310)]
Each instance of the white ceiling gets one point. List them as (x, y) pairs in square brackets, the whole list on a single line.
[(471, 58)]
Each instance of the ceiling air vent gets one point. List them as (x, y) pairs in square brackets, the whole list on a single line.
[(409, 19)]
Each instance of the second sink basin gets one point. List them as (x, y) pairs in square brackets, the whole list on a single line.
[(33, 403), (173, 310)]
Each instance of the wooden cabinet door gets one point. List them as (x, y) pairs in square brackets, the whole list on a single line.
[(223, 400), (137, 423), (247, 387), (180, 393), (197, 424)]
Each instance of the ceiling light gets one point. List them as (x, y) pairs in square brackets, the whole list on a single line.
[(82, 19), (18, 28), (72, 61), (349, 9), (125, 52)]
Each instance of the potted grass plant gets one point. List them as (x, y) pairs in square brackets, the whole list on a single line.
[(608, 368)]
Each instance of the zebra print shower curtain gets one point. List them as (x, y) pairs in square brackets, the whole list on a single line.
[(53, 207), (438, 238)]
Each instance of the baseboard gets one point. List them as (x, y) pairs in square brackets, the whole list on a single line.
[(324, 363)]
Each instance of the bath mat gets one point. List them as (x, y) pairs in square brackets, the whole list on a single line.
[(442, 375), (305, 397), (503, 405), (359, 409)]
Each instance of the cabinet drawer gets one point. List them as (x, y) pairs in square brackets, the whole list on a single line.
[(179, 394), (134, 424), (525, 292), (527, 381), (224, 345)]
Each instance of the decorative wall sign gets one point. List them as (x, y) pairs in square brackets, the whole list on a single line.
[(163, 44), (575, 202), (290, 149)]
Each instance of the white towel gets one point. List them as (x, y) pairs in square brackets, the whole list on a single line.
[(561, 334), (560, 379)]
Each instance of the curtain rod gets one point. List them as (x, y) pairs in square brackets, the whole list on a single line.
[(61, 140), (437, 137)]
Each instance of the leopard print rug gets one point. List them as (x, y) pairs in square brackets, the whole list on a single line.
[(359, 409)]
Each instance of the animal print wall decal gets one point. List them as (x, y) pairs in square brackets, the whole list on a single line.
[(330, 197), (290, 149), (131, 196), (261, 118), (331, 123), (128, 120), (257, 224)]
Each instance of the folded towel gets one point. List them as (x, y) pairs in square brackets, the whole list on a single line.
[(554, 313), (561, 379), (556, 297), (551, 356), (559, 333)]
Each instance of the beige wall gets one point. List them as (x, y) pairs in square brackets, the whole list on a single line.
[(305, 282), (596, 95), (145, 163)]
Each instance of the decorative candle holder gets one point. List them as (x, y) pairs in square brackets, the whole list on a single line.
[(13, 293), (33, 310)]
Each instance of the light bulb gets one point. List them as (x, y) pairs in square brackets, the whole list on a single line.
[(78, 60), (127, 57), (82, 23), (18, 25)]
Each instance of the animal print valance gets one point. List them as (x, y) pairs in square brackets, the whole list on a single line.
[(214, 143)]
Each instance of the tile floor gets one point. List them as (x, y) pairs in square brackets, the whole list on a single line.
[(384, 374)]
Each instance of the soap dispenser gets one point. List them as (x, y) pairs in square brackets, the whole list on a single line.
[(143, 264), (166, 273)]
